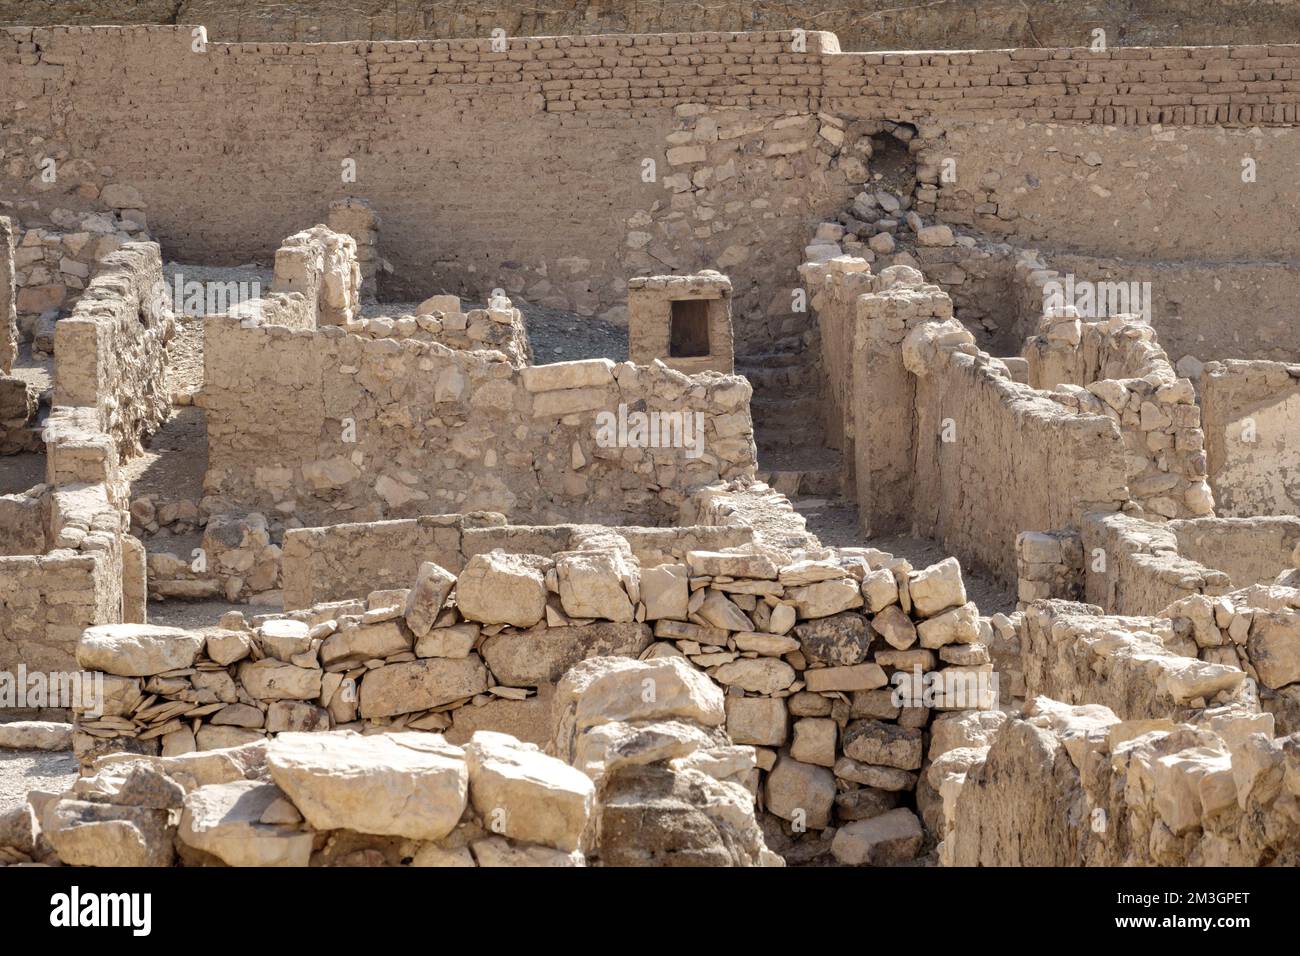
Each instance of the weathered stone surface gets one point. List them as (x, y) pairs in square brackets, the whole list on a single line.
[(608, 746), (499, 588), (864, 803), (523, 794), (892, 837), (758, 675), (542, 654), (454, 641), (282, 639), (35, 735), (226, 647), (720, 563), (961, 625), (226, 821), (665, 589), (881, 778), (1274, 648), (273, 680), (769, 645), (842, 639), (419, 685), (656, 816), (432, 587), (858, 677), (760, 721), (101, 834), (354, 645), (295, 715), (720, 611), (652, 690), (497, 851), (591, 585), (814, 741), (801, 793), (888, 745), (411, 785), (895, 627), (825, 598), (936, 588), (137, 650), (879, 590)]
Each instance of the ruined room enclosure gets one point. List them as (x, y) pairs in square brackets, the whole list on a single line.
[(940, 532)]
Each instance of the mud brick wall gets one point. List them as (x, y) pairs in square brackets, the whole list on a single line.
[(1015, 462), (1252, 419), (396, 429), (563, 215), (1242, 86), (110, 353)]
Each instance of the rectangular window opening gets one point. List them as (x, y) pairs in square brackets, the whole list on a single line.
[(689, 329)]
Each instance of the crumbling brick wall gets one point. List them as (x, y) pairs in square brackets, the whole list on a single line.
[(778, 104), (1252, 418)]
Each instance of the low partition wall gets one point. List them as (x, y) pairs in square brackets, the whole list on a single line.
[(1252, 418), (110, 353), (326, 426), (833, 668), (1217, 791), (1115, 367), (350, 560), (1133, 566), (84, 569)]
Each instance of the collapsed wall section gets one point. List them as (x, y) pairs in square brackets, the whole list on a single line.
[(1079, 786)]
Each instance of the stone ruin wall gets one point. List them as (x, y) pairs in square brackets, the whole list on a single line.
[(348, 560), (8, 309), (748, 138), (111, 352), (1252, 415), (804, 655), (67, 561), (445, 430)]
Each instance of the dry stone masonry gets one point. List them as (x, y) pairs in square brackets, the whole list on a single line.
[(942, 509)]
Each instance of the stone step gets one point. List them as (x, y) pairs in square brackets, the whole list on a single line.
[(769, 378), (824, 482), (801, 412), (802, 471)]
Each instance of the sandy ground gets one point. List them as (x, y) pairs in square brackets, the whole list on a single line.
[(24, 770)]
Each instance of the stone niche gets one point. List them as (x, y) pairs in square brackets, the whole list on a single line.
[(684, 321)]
